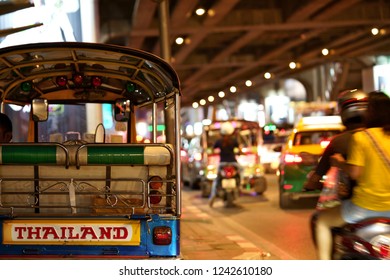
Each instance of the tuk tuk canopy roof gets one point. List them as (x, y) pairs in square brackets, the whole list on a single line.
[(89, 72)]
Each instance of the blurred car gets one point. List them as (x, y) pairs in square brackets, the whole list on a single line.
[(300, 155), (184, 159), (194, 165), (269, 151)]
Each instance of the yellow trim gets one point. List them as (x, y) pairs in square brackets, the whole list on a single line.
[(72, 232)]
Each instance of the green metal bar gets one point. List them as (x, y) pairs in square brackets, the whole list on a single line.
[(115, 155), (29, 154)]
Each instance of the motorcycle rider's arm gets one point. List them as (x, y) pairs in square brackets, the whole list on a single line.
[(313, 181), (353, 171)]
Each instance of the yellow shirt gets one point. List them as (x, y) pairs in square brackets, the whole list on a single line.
[(373, 185)]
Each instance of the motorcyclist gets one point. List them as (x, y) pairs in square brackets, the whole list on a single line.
[(227, 146), (352, 107), (366, 162)]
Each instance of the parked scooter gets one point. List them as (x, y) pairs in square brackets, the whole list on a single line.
[(228, 183)]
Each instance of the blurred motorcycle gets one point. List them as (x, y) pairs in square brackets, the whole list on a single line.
[(368, 239), (228, 184)]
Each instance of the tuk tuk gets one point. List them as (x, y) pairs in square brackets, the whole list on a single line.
[(98, 172), (248, 134)]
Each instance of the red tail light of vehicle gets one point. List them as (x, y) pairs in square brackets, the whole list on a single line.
[(229, 171), (162, 235), (384, 251), (155, 184), (301, 158), (155, 197)]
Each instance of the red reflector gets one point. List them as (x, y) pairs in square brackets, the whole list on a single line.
[(96, 81), (287, 187), (61, 81), (162, 235), (78, 79)]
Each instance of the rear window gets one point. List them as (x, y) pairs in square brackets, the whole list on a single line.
[(314, 137)]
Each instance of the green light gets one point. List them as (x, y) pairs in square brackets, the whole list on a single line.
[(270, 127), (160, 127), (26, 86), (130, 87)]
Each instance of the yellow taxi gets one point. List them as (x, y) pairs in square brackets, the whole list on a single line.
[(300, 155)]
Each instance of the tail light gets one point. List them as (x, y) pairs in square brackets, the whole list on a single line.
[(162, 235), (292, 159), (155, 185), (155, 197), (384, 251), (301, 158), (374, 235), (229, 171), (381, 244)]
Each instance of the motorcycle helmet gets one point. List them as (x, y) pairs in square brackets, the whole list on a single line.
[(227, 128), (352, 104)]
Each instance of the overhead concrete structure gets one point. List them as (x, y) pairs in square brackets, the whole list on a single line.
[(240, 40)]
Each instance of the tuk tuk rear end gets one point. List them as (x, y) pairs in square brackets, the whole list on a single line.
[(97, 172)]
